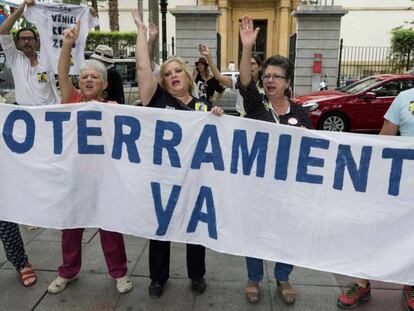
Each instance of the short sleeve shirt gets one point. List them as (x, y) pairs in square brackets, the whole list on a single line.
[(115, 89), (239, 98), (75, 97), (401, 112), (163, 99), (207, 88), (33, 87)]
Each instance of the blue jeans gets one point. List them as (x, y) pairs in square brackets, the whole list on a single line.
[(255, 270)]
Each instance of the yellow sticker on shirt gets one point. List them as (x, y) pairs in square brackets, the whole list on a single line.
[(411, 108), (200, 106), (41, 77)]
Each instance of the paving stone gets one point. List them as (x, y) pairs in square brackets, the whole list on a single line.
[(14, 296), (229, 296), (226, 278), (176, 296), (90, 292)]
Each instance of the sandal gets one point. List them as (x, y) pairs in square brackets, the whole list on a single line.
[(286, 292), (27, 276), (252, 292)]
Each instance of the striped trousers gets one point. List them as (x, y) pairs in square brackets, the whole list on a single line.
[(13, 244)]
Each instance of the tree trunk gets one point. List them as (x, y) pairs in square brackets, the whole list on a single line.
[(113, 15), (153, 12), (141, 9)]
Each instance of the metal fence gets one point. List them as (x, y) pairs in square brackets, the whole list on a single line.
[(357, 62), (319, 2), (326, 2)]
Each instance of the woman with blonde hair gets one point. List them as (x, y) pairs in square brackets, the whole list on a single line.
[(173, 92)]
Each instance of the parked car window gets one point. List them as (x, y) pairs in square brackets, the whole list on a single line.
[(407, 84), (391, 88), (359, 86)]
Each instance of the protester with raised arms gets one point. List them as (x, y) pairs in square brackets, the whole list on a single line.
[(274, 107), (33, 87), (92, 82), (230, 82), (173, 92), (206, 83)]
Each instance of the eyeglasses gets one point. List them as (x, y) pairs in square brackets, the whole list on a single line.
[(30, 39), (273, 77)]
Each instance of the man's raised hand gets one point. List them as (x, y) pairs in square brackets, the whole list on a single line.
[(71, 34)]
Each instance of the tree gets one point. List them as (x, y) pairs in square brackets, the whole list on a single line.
[(402, 46), (113, 15)]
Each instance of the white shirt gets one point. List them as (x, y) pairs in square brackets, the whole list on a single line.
[(33, 87), (51, 19), (239, 98)]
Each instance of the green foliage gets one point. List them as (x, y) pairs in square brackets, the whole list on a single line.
[(121, 42), (402, 46)]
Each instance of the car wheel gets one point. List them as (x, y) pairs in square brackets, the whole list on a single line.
[(335, 122)]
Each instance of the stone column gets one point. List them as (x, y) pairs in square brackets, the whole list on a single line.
[(195, 25), (318, 32), (284, 27), (223, 30)]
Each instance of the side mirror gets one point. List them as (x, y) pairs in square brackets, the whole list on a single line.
[(369, 95)]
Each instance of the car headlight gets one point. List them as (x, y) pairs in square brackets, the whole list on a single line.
[(310, 106)]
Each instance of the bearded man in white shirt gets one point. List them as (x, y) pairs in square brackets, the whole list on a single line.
[(32, 87)]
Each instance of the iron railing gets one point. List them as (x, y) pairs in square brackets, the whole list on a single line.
[(357, 62)]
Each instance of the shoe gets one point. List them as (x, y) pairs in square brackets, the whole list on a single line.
[(124, 284), (252, 292), (354, 296), (286, 292), (59, 284), (155, 289), (198, 286), (408, 297)]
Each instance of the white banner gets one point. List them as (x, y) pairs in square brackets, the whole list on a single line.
[(335, 202)]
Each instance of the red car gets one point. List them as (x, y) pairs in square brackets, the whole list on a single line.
[(358, 107)]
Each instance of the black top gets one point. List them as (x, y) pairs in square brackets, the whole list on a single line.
[(207, 88), (115, 89), (163, 99), (256, 107)]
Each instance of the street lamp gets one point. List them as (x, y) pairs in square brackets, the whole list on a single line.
[(163, 5)]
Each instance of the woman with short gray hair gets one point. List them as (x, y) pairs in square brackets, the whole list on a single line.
[(92, 83)]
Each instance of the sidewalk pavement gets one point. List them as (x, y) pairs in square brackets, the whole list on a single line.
[(95, 290)]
